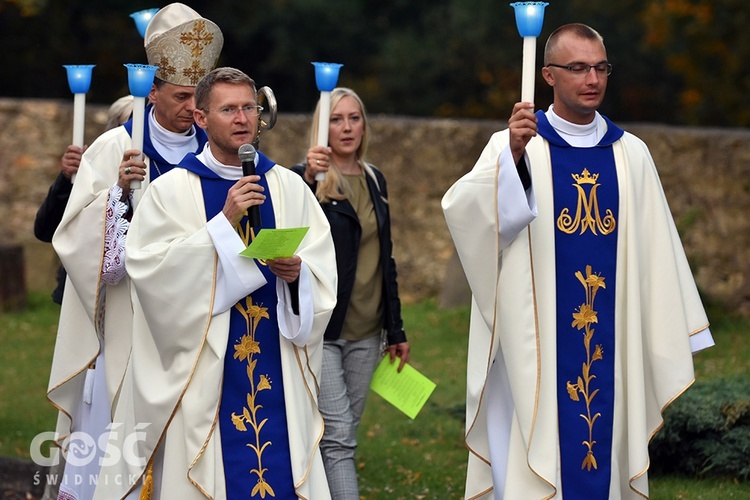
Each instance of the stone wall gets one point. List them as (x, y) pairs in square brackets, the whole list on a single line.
[(706, 174)]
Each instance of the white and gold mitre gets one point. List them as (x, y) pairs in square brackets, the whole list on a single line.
[(184, 45)]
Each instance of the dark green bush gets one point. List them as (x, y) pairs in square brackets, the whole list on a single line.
[(706, 432)]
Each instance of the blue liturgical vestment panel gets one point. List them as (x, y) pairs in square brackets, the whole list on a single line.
[(586, 200), (252, 413)]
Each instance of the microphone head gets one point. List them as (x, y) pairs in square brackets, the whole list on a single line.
[(246, 152)]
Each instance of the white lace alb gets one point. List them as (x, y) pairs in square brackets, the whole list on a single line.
[(115, 230)]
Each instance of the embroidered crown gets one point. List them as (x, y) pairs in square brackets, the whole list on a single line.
[(585, 177)]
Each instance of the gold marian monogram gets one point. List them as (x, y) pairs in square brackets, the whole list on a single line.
[(584, 319), (587, 212), (246, 350)]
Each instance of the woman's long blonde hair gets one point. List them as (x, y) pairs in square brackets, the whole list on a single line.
[(335, 186)]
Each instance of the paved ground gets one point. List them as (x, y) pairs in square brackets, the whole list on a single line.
[(11, 494), (17, 478)]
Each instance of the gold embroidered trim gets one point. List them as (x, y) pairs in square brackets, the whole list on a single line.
[(314, 399), (488, 365), (165, 429)]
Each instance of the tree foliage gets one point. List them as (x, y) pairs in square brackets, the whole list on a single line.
[(706, 45), (676, 61)]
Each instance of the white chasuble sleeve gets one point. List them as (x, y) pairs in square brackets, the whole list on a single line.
[(171, 260), (486, 210), (79, 239), (236, 276), (79, 243), (295, 205), (516, 208), (701, 340), (296, 327)]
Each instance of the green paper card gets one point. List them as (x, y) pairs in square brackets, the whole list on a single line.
[(408, 391), (274, 243)]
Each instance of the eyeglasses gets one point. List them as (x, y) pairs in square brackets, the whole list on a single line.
[(231, 111), (583, 69)]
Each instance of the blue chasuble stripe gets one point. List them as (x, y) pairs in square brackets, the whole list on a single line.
[(252, 413), (586, 202)]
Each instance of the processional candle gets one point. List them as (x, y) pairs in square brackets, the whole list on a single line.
[(79, 81), (140, 79), (529, 20), (326, 76)]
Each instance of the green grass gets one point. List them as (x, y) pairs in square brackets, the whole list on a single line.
[(730, 357), (27, 341), (398, 458), (425, 458), (678, 488)]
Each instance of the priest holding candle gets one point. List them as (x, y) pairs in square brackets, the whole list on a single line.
[(93, 340), (585, 314)]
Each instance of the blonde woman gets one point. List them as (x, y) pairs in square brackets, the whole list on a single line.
[(355, 200)]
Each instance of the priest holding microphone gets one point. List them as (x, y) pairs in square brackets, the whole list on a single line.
[(227, 349)]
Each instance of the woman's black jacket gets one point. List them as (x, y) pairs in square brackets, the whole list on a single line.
[(347, 233), (48, 217)]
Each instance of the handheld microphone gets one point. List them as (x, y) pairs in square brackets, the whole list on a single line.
[(247, 157)]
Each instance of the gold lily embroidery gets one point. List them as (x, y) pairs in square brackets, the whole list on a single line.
[(246, 350), (247, 234), (584, 319), (587, 211)]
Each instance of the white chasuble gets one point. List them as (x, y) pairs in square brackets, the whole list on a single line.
[(518, 320)]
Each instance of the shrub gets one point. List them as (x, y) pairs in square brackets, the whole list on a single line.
[(706, 432)]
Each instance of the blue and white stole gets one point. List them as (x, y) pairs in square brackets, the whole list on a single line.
[(586, 201), (252, 412), (158, 164)]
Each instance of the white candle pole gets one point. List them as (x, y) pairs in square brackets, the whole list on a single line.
[(140, 80), (79, 118), (324, 118), (139, 121), (326, 76), (528, 79), (79, 80), (529, 20)]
